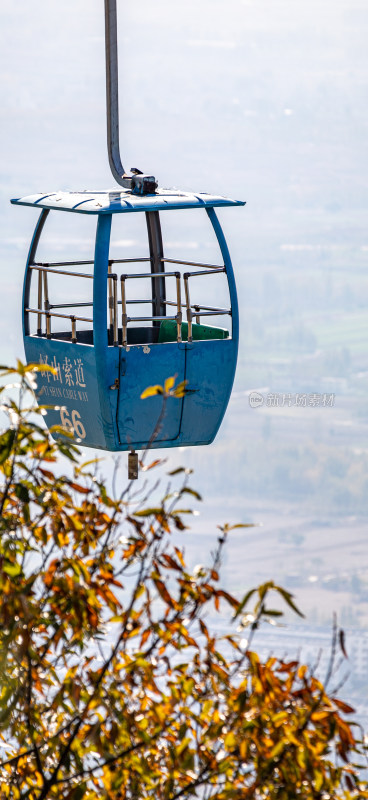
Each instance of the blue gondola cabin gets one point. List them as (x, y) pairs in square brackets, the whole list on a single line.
[(105, 353)]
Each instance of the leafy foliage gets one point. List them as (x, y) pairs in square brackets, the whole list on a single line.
[(112, 684)]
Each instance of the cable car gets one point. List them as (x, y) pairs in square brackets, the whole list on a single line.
[(105, 360), (102, 370)]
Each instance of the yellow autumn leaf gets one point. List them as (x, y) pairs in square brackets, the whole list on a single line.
[(180, 389), (151, 391), (169, 383), (318, 780), (230, 740)]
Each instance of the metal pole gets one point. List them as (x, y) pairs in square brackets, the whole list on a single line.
[(115, 303), (124, 318), (179, 315), (189, 310), (111, 303), (46, 291), (39, 303), (157, 264), (74, 330), (112, 91), (134, 180)]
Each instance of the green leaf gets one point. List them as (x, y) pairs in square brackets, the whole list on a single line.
[(243, 525), (289, 600), (78, 792), (187, 490), (270, 612), (12, 569), (244, 602), (6, 444), (180, 469), (22, 492), (147, 512)]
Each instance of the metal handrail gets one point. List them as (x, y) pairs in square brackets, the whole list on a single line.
[(60, 263), (210, 312), (43, 271), (49, 314), (155, 275), (129, 260), (81, 263), (150, 319), (192, 310), (54, 314), (191, 263), (155, 318), (60, 272), (217, 312), (137, 302), (214, 271), (69, 305), (209, 308)]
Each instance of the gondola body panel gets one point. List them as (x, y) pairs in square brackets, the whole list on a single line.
[(210, 370), (141, 367), (74, 389)]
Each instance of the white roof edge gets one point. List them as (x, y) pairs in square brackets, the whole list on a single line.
[(122, 201)]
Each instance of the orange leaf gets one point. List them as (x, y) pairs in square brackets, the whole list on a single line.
[(145, 636), (343, 706), (78, 488), (230, 599), (47, 474), (171, 562), (161, 588), (180, 556), (152, 464)]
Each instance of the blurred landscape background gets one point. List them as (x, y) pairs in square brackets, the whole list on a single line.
[(263, 101)]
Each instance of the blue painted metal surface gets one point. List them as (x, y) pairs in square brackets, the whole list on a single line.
[(107, 358), (211, 365), (31, 257), (147, 366), (75, 387), (97, 387), (122, 201)]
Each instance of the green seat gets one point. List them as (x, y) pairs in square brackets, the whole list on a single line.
[(168, 332)]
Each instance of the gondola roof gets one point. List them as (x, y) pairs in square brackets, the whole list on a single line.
[(122, 200)]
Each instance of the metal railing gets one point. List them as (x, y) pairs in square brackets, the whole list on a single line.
[(45, 308), (193, 311), (192, 264), (125, 319), (49, 314), (200, 310)]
